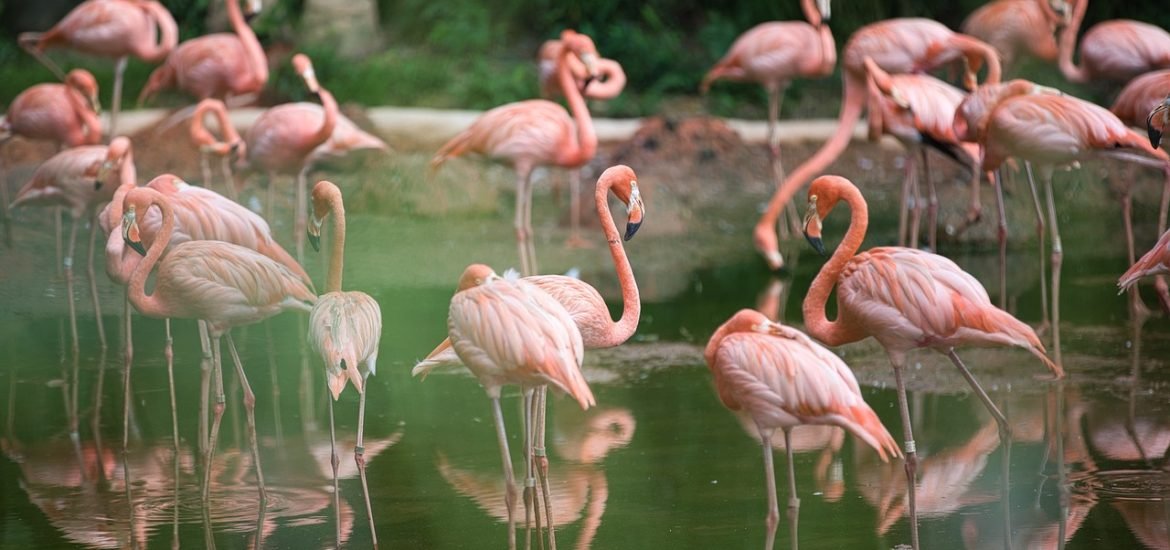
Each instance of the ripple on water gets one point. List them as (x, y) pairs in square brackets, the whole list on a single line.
[(1126, 484), (236, 509)]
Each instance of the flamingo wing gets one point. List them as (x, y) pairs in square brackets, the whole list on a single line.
[(345, 328)]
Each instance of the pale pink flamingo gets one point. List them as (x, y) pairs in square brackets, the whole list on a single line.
[(775, 53), (284, 138), (783, 379), (66, 180), (344, 327), (1018, 27), (229, 149), (228, 66), (527, 134), (1154, 262), (1055, 130), (512, 332), (109, 28), (919, 110), (223, 284), (905, 299), (1116, 50), (897, 46)]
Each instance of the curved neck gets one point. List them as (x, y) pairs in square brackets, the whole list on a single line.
[(337, 255), (255, 53), (811, 13), (828, 50), (328, 121), (85, 116), (168, 32), (199, 131), (586, 138), (150, 305), (835, 333), (1068, 42), (127, 172), (624, 328)]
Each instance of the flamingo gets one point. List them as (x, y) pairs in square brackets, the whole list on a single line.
[(906, 299), (1154, 262), (220, 283), (230, 146), (1116, 50), (897, 46), (783, 379), (531, 133), (773, 54), (344, 327), (225, 66), (1018, 27), (512, 332), (284, 137), (1057, 130), (109, 28)]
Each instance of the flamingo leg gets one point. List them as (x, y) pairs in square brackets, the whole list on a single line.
[(904, 208), (793, 500), (910, 451), (170, 355), (229, 183), (96, 424), (522, 237), (915, 198), (93, 292), (205, 168), (273, 376), (1160, 281), (126, 421), (772, 519), (213, 435), (359, 451), (68, 263), (575, 240), (1137, 307), (116, 100), (1057, 257), (301, 220), (542, 463), (1001, 236), (5, 218), (206, 366), (31, 47), (528, 232), (271, 197), (931, 203), (250, 408), (1044, 323), (529, 475), (335, 461), (509, 482), (57, 228)]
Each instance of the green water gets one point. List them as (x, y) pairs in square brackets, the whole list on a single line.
[(658, 463)]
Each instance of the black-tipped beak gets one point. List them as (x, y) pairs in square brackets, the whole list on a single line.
[(315, 241), (249, 16), (1154, 133), (816, 243), (631, 228), (585, 83), (97, 185), (137, 246)]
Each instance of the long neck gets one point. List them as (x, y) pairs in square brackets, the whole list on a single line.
[(835, 333), (1068, 42), (811, 13), (586, 138), (330, 119), (151, 305), (127, 172), (85, 116), (255, 53), (168, 32), (337, 255), (620, 331), (828, 50)]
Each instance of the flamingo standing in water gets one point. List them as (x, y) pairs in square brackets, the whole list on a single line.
[(783, 379), (1154, 262), (232, 145), (531, 133), (223, 284), (773, 54), (906, 299), (1018, 27), (109, 28), (1116, 50), (896, 46), (228, 66), (344, 327), (512, 332)]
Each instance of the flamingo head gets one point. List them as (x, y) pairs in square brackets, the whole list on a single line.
[(252, 9), (1058, 12), (115, 156), (325, 195), (819, 205), (304, 67), (624, 185), (475, 275), (764, 239), (825, 7), (582, 46), (85, 84), (1156, 122), (130, 232)]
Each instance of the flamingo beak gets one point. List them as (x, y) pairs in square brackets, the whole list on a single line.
[(252, 10), (812, 227), (130, 233), (1155, 134), (825, 7), (635, 210), (314, 232), (590, 61)]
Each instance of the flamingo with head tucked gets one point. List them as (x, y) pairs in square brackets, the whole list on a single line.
[(1018, 27), (229, 149), (1116, 50)]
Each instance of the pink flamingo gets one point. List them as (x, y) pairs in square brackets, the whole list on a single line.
[(109, 28), (1115, 50), (773, 54), (344, 327), (1154, 262), (783, 379), (232, 145), (222, 284), (906, 299), (531, 133), (1018, 27), (284, 138), (228, 66), (512, 332), (1057, 130), (1139, 100), (897, 46)]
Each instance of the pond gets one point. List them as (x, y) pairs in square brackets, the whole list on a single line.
[(658, 463)]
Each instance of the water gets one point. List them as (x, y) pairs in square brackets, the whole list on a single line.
[(658, 463)]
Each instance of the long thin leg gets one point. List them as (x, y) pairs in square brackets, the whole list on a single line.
[(250, 408), (335, 461), (1160, 283), (205, 167), (270, 196), (57, 227), (528, 232), (229, 183), (509, 482), (359, 452), (1137, 307), (216, 419), (915, 197), (1057, 257), (1001, 234), (911, 454), (169, 353), (36, 52), (904, 208), (793, 500), (1045, 320), (518, 223), (302, 212), (68, 263), (541, 407), (206, 367), (93, 292), (529, 475), (772, 519), (931, 203), (273, 376), (116, 101), (575, 239), (96, 423), (126, 431)]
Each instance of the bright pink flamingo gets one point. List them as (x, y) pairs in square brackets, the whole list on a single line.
[(1116, 50), (1017, 27), (232, 145), (344, 327), (109, 28), (775, 53), (1154, 262), (1056, 130), (897, 46), (1139, 99), (225, 66), (222, 284), (284, 137), (783, 379), (906, 299), (532, 133), (512, 332)]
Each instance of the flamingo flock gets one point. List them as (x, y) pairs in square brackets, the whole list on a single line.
[(219, 263)]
